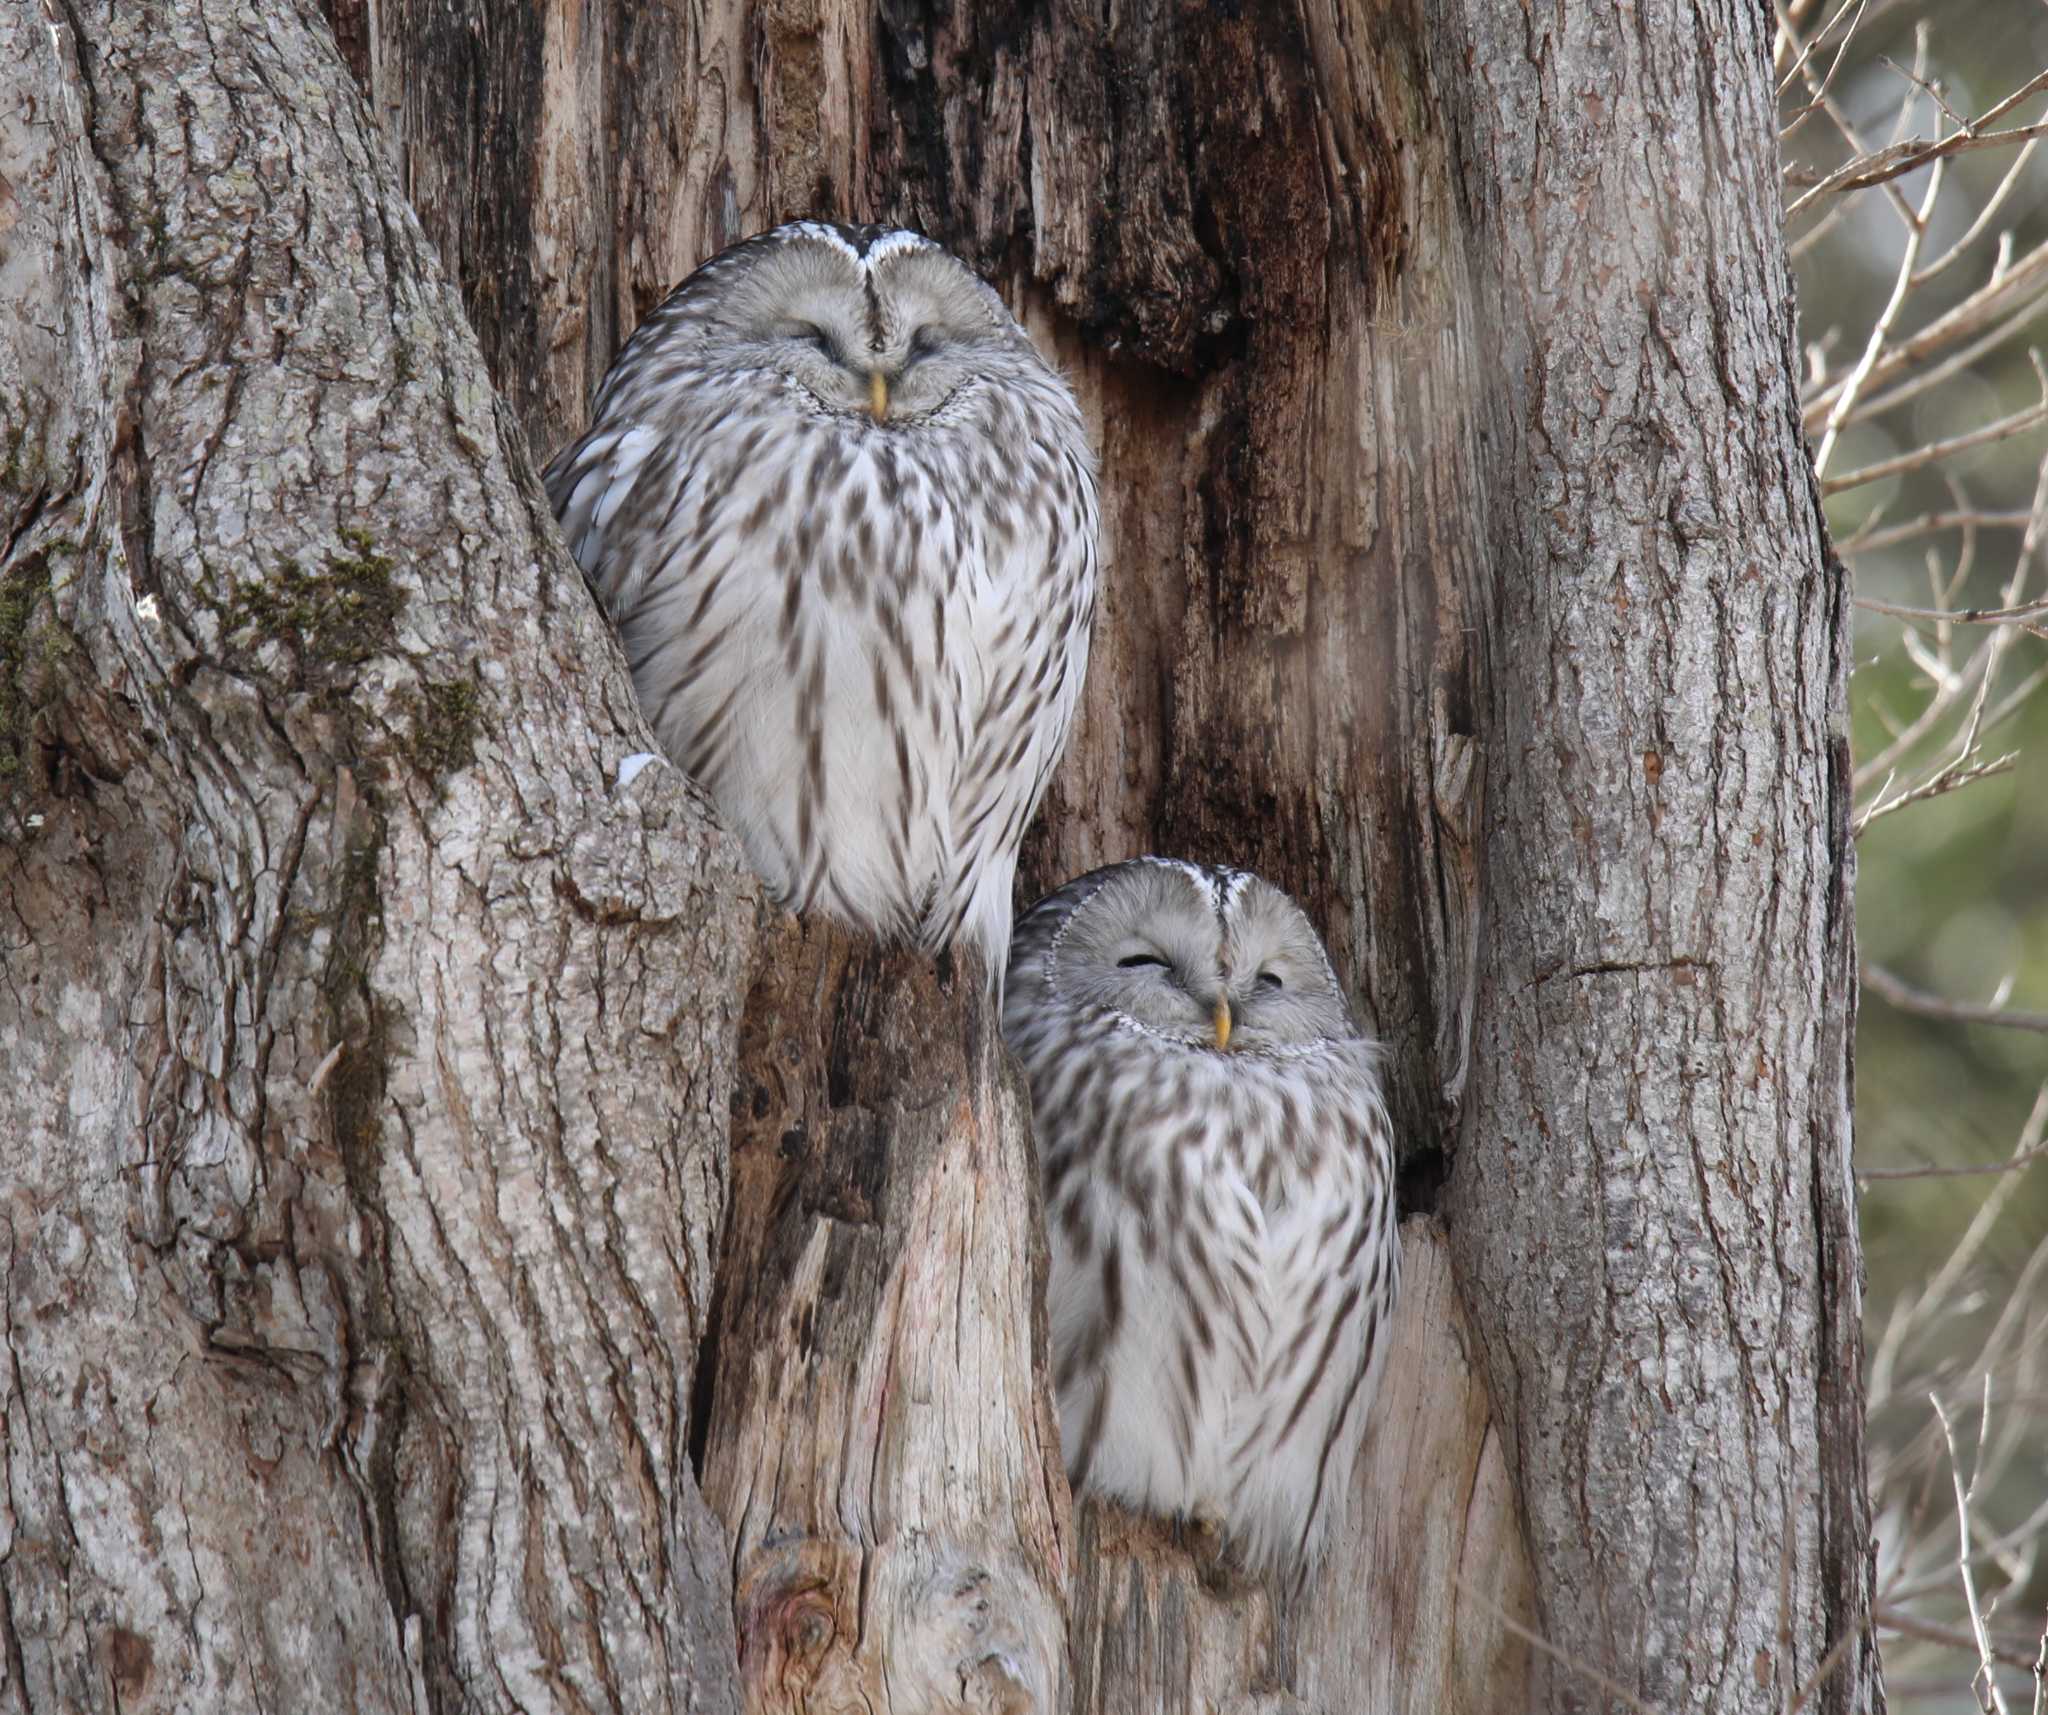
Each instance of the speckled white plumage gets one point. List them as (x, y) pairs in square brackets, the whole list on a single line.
[(864, 634), (1225, 1258)]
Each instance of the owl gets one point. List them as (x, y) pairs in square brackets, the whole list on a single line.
[(1219, 1193), (844, 517)]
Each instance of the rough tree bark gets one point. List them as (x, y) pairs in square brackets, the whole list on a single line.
[(1465, 578), (367, 1049), (1654, 1216)]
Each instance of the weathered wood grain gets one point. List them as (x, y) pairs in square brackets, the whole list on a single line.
[(879, 1439)]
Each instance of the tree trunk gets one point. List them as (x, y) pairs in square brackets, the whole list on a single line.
[(880, 1439), (1652, 1204), (1464, 577), (368, 1048)]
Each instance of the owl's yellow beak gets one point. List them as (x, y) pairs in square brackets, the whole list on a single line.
[(1222, 1021), (878, 394)]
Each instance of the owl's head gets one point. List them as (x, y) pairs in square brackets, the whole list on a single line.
[(1211, 959), (871, 321)]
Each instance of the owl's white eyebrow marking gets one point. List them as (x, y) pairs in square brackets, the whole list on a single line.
[(891, 243), (1201, 877), (829, 235)]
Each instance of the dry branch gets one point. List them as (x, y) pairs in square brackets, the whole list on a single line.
[(1907, 998)]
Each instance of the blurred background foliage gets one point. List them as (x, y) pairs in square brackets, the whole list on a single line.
[(1952, 886)]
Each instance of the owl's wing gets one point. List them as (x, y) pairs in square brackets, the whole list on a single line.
[(1156, 1316), (1030, 609), (1333, 1264)]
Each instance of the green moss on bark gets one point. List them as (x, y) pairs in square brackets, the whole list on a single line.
[(330, 621), (446, 716), (31, 645)]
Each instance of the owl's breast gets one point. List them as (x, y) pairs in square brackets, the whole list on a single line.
[(1299, 1129)]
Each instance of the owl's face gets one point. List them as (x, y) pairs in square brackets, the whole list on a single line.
[(1212, 959), (872, 323)]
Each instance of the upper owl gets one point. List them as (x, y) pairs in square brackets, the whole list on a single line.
[(844, 516)]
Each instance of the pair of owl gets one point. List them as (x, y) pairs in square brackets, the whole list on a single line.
[(844, 516)]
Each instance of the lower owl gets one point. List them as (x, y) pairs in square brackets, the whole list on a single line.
[(1219, 1188)]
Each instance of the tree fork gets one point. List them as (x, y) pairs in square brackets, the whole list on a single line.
[(1465, 577)]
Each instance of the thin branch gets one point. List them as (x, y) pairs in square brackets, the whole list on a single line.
[(1788, 38), (1989, 1697), (2023, 280), (2033, 86), (1880, 332), (1895, 160), (1893, 1619), (1964, 357), (1950, 779), (2022, 1532), (1907, 998), (1868, 541), (2026, 615), (1985, 216), (2031, 1156), (1914, 1310), (1824, 101), (1926, 85), (1947, 689), (2004, 429), (1819, 90)]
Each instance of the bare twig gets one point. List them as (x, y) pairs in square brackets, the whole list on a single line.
[(2025, 615), (1895, 1619), (2007, 1166), (1951, 1539), (1894, 160), (1915, 1310), (1985, 215), (2002, 430), (2027, 1530), (2022, 283), (1905, 391), (1948, 780), (1880, 333), (1872, 541), (1989, 1697), (1907, 998), (1788, 40)]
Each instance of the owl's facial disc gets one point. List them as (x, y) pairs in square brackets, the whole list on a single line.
[(1281, 987), (1145, 949), (887, 337), (1225, 968), (827, 353), (846, 368)]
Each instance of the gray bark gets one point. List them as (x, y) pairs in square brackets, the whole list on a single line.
[(375, 1052), (1651, 1203), (367, 1052)]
